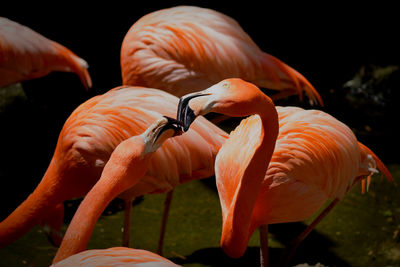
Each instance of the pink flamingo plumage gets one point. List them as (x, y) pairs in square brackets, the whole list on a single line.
[(116, 256), (279, 165), (185, 49)]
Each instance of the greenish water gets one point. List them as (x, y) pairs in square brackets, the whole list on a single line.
[(362, 230)]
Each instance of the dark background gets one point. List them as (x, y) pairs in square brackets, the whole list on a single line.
[(328, 43)]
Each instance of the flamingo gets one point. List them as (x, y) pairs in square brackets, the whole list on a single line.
[(88, 138), (26, 54), (185, 49), (126, 168), (271, 72), (116, 256), (279, 165)]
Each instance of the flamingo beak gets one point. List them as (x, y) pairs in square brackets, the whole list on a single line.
[(185, 115), (173, 124), (159, 132)]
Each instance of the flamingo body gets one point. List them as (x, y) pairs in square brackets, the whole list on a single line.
[(316, 158), (26, 54), (91, 134), (312, 158), (186, 49), (116, 256)]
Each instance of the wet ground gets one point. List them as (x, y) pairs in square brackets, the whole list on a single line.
[(362, 230)]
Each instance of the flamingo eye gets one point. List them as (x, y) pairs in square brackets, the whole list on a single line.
[(226, 85)]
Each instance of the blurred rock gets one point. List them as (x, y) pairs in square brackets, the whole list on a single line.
[(373, 85), (11, 94), (368, 104)]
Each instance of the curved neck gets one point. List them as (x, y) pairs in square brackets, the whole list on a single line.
[(270, 126), (268, 133), (237, 224), (121, 172)]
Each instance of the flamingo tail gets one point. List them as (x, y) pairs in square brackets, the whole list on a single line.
[(381, 167), (280, 76)]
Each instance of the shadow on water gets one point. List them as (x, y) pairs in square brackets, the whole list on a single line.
[(215, 256), (315, 248)]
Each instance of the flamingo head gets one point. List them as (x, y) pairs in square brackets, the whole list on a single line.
[(233, 97), (159, 131)]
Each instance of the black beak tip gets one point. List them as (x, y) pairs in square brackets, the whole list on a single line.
[(184, 113), (188, 118), (175, 125)]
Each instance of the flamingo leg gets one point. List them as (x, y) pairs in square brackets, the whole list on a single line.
[(167, 205), (127, 222), (290, 251), (264, 245)]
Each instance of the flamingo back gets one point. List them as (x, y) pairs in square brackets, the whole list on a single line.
[(96, 127), (116, 256), (186, 49), (316, 158)]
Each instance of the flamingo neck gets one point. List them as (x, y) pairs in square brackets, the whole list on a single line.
[(237, 224), (269, 131), (270, 126), (124, 169)]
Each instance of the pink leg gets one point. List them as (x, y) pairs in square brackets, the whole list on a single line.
[(127, 222), (167, 205), (264, 245)]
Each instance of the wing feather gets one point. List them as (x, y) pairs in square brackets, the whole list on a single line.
[(316, 158)]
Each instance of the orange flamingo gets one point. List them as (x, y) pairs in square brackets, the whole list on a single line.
[(186, 49), (123, 174), (25, 55), (279, 165), (116, 256), (88, 138)]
